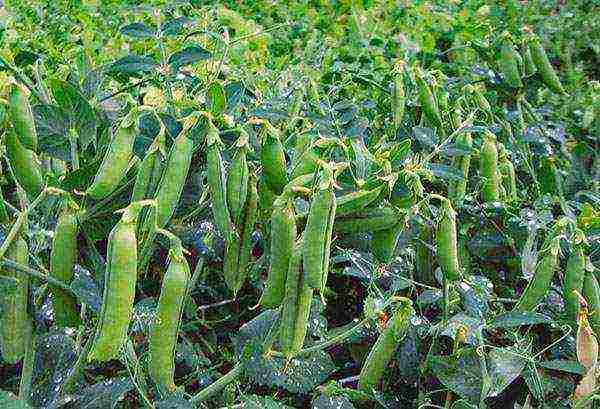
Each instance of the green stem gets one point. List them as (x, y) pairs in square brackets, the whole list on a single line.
[(218, 385), (27, 371), (68, 386), (74, 150), (34, 273)]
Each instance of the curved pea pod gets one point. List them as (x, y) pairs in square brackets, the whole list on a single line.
[(508, 64), (384, 348), (238, 252), (217, 183), (316, 236), (383, 243), (150, 169), (458, 189), (21, 117), (305, 159), (573, 282), (119, 287), (237, 184), (447, 242), (427, 100), (356, 201), (368, 220), (165, 329), (283, 234), (540, 283), (116, 160), (295, 309), (509, 179), (488, 169), (62, 263), (529, 67), (15, 323), (542, 63), (591, 293), (24, 164), (398, 97), (272, 158)]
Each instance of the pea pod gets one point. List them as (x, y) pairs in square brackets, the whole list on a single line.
[(447, 242), (573, 282), (591, 293), (383, 243), (119, 286), (488, 169), (237, 181), (62, 263), (458, 189), (384, 348), (272, 158), (507, 171), (165, 329), (21, 117), (295, 309), (117, 158), (542, 63), (283, 235), (540, 283), (356, 201), (427, 100), (368, 220), (424, 261), (151, 169), (398, 95), (548, 176), (15, 323), (24, 164), (508, 63), (305, 158), (529, 67)]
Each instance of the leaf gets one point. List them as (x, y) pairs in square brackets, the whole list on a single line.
[(175, 26), (476, 294), (258, 329), (426, 136), (564, 365), (473, 326), (132, 64), (86, 290), (144, 314), (137, 30), (216, 98), (52, 125), (10, 401), (175, 401), (81, 178), (503, 367), (332, 402), (8, 285), (260, 402), (103, 395), (517, 319), (234, 92), (457, 149), (445, 172), (188, 55), (429, 297)]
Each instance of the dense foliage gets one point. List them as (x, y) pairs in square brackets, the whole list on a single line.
[(308, 204)]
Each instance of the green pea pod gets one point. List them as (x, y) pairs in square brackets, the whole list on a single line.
[(508, 64), (237, 182), (295, 309), (24, 164), (573, 282), (119, 286), (305, 158), (151, 169), (283, 235), (383, 243), (165, 329), (15, 323), (62, 263), (424, 260), (315, 236), (3, 212), (488, 169), (427, 100), (266, 197), (509, 179), (217, 182), (21, 117), (368, 220), (272, 158), (238, 252), (481, 101), (398, 96), (540, 283), (542, 63), (117, 158), (384, 348), (447, 242), (591, 293), (548, 176), (356, 201), (529, 67), (458, 189)]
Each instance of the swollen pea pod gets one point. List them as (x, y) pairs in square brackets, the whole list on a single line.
[(151, 168), (385, 346), (283, 235), (356, 201), (317, 234), (542, 63), (119, 286), (237, 252), (217, 182), (368, 220), (591, 293), (423, 255), (21, 116), (15, 323), (383, 243), (398, 95), (24, 164), (427, 100), (237, 180), (573, 282), (529, 67), (509, 176), (62, 263), (266, 197), (162, 339), (272, 158), (117, 158), (295, 308), (540, 283), (508, 63), (488, 169), (447, 242), (458, 189), (305, 158)]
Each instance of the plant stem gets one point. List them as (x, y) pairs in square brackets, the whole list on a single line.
[(27, 371), (34, 273), (218, 385)]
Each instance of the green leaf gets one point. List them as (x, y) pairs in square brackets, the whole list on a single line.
[(176, 401), (234, 92), (103, 395), (564, 365), (517, 319), (10, 401), (137, 30), (175, 26), (332, 402), (216, 98), (426, 136), (87, 291), (260, 329), (445, 172), (259, 402), (132, 64), (188, 55), (52, 125)]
